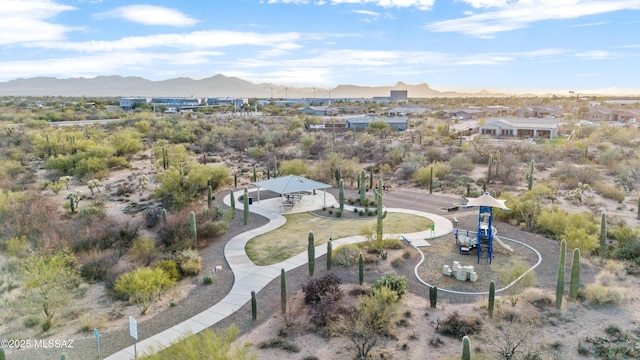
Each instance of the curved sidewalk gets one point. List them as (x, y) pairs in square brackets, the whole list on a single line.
[(250, 277)]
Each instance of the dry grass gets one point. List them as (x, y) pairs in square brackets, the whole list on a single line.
[(292, 238)]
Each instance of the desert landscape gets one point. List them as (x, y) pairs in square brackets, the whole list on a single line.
[(133, 212)]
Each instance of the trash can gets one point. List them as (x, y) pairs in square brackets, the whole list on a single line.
[(250, 200)]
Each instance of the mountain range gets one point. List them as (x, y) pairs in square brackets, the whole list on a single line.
[(215, 86)]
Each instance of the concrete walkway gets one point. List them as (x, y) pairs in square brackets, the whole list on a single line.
[(250, 277)]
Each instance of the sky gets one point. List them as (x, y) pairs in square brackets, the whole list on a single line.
[(585, 46)]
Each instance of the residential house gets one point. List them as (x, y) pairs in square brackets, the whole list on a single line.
[(531, 128), (535, 111), (469, 113), (362, 122), (128, 104), (413, 109), (318, 110)]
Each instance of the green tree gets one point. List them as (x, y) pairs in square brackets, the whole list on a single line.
[(293, 167), (143, 286), (378, 127), (208, 345), (49, 281), (524, 279)]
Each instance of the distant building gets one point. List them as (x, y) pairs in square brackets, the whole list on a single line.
[(362, 122), (128, 104), (318, 110), (464, 114), (409, 109), (235, 102), (530, 128), (398, 96)]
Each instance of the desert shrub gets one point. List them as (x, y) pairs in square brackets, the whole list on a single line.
[(345, 255), (458, 326), (612, 192), (512, 272), (90, 212), (279, 343), (18, 246), (397, 262), (603, 295), (170, 267), (397, 283), (207, 280), (143, 250), (190, 261), (624, 235), (143, 286), (322, 296), (213, 229), (95, 264), (379, 308)]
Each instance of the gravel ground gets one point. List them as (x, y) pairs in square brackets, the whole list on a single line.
[(202, 297)]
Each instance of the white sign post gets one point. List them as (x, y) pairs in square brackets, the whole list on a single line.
[(133, 330)]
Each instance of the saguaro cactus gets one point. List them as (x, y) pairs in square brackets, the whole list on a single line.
[(254, 306), (192, 228), (492, 298), (529, 175), (603, 235), (341, 194), (311, 251), (381, 214), (431, 180), (466, 348), (360, 268), (246, 205), (233, 203), (363, 187), (72, 205), (329, 251), (283, 292), (338, 174), (575, 275), (255, 174), (235, 181), (164, 217), (209, 198), (433, 297), (560, 284), (489, 168), (371, 177)]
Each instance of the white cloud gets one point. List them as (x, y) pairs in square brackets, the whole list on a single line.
[(488, 3), (366, 12), (595, 55), (193, 40), (420, 4), (29, 20), (150, 15), (520, 14)]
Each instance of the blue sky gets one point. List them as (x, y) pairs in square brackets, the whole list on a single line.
[(588, 46)]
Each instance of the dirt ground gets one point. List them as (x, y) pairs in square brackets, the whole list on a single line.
[(558, 333)]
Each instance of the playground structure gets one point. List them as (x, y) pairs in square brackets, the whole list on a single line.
[(486, 234)]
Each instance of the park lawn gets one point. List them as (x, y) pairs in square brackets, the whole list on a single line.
[(292, 238)]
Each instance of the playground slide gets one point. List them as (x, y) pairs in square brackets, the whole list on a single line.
[(499, 241)]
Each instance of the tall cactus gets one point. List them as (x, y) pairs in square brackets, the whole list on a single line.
[(489, 168), (268, 170), (492, 298), (329, 254), (164, 217), (560, 284), (338, 174), (371, 177), (466, 348), (72, 205), (246, 205), (209, 198), (232, 196), (341, 195), (360, 268), (311, 252), (381, 214), (283, 291), (275, 166), (431, 180), (254, 306), (363, 187), (575, 275), (433, 297), (235, 181), (603, 235), (192, 229), (255, 174), (529, 175)]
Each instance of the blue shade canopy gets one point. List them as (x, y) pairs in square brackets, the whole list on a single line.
[(487, 200), (290, 184)]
